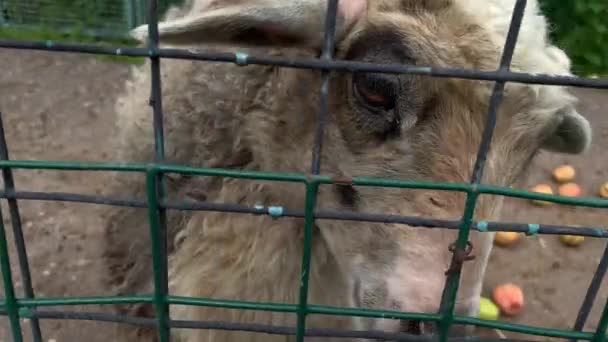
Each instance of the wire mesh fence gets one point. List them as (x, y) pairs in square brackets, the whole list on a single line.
[(103, 18), (28, 306)]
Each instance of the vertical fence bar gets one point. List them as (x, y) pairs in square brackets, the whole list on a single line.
[(156, 236), (313, 187), (309, 220), (602, 328), (161, 267), (156, 91), (9, 291), (327, 54), (448, 300), (13, 207), (591, 294)]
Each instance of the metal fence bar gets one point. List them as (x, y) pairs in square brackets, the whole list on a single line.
[(326, 55), (27, 304), (312, 188), (36, 302), (602, 328), (315, 63), (160, 218), (160, 300), (19, 241), (418, 222), (461, 248), (591, 294), (302, 313), (207, 325), (12, 308), (26, 310), (257, 328), (541, 229), (301, 178)]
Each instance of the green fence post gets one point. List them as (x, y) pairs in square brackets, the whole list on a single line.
[(602, 327), (9, 291), (160, 299), (309, 221)]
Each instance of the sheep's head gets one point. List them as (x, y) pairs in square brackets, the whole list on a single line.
[(400, 126)]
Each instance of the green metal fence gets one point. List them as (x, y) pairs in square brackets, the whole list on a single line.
[(101, 18), (28, 306)]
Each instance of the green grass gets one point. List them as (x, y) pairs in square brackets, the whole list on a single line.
[(581, 29), (73, 36)]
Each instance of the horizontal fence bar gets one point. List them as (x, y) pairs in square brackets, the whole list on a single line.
[(311, 63), (173, 300), (370, 313), (74, 198), (303, 178), (72, 166), (254, 328), (524, 194), (106, 317), (142, 168), (418, 222), (70, 301), (524, 329), (292, 308), (232, 304)]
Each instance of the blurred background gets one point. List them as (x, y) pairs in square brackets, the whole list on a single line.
[(579, 27)]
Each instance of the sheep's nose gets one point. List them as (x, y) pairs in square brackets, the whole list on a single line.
[(431, 328), (412, 327)]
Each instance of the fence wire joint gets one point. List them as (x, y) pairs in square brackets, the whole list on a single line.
[(460, 256)]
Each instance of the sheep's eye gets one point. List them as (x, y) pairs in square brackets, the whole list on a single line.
[(377, 92)]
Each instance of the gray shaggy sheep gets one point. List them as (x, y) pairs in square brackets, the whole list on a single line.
[(263, 118)]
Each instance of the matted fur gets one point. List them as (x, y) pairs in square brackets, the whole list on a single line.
[(263, 118)]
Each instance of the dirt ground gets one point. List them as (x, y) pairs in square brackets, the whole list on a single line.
[(59, 107)]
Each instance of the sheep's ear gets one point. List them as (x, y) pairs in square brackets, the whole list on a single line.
[(258, 23), (572, 135)]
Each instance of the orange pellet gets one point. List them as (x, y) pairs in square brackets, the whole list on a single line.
[(570, 190), (509, 298), (543, 189), (604, 190), (564, 174), (506, 238), (572, 240)]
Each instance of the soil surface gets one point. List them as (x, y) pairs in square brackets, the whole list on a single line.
[(59, 107)]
